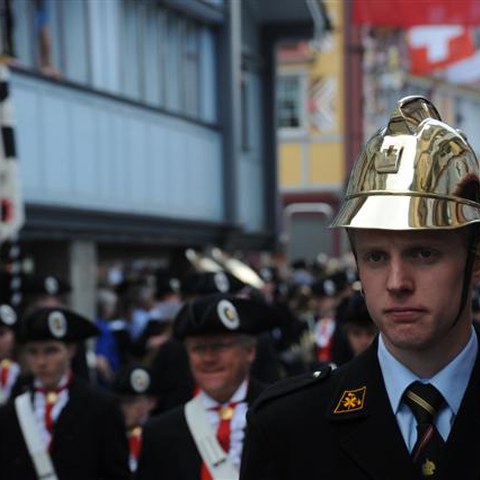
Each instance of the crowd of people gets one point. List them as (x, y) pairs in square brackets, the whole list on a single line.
[(158, 342)]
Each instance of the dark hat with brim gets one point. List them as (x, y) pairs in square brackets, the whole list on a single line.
[(331, 285), (206, 283), (45, 285), (223, 313), (133, 380), (56, 324), (30, 284)]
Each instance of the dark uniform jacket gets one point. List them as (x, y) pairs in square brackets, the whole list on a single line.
[(168, 449), (89, 441), (340, 425)]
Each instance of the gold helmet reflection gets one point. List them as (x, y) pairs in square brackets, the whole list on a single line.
[(417, 173)]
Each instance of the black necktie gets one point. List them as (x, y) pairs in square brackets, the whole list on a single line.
[(425, 401)]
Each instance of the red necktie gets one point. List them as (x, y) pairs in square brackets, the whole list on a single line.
[(225, 413), (5, 369), (135, 442), (51, 398)]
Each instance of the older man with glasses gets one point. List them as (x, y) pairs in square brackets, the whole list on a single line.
[(204, 439)]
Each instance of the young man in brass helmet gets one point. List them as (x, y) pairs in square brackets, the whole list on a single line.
[(408, 407)]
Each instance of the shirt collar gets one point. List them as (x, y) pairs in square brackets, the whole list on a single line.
[(239, 396), (451, 381), (64, 381)]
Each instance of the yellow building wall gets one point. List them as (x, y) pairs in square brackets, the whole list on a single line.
[(290, 171), (326, 164), (310, 160)]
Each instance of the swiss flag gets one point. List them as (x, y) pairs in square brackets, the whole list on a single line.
[(437, 47)]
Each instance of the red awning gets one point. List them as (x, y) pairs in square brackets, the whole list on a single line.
[(407, 13)]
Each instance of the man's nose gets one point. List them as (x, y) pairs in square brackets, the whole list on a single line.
[(399, 276), (41, 359)]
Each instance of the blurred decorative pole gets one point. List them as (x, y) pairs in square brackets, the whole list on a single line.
[(12, 213)]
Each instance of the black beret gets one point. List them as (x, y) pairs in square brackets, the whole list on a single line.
[(206, 283), (45, 284), (223, 313), (331, 285), (324, 288), (56, 324), (166, 285), (133, 380), (30, 285)]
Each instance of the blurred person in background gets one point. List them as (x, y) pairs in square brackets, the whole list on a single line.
[(107, 348), (60, 425), (203, 440), (157, 330), (300, 274), (48, 291), (358, 325), (44, 290), (331, 346), (174, 383), (288, 329), (9, 368), (133, 389)]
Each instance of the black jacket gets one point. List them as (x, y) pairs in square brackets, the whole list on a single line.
[(89, 441), (308, 427), (168, 449)]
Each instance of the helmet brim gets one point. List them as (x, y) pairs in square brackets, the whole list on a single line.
[(405, 212)]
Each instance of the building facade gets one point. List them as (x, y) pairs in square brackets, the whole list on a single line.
[(144, 127), (311, 136)]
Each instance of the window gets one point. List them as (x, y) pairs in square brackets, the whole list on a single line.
[(245, 112), (190, 68), (171, 68), (153, 55), (130, 47), (52, 36), (290, 101)]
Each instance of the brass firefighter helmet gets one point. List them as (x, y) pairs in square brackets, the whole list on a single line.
[(417, 173)]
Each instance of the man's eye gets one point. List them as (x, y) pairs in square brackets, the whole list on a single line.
[(375, 257), (51, 350), (425, 253)]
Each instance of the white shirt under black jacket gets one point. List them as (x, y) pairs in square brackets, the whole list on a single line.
[(237, 423)]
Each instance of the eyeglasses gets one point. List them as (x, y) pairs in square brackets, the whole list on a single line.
[(215, 347)]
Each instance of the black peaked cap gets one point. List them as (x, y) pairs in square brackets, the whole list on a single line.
[(223, 313), (133, 380), (56, 324), (45, 284), (30, 284), (205, 283)]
